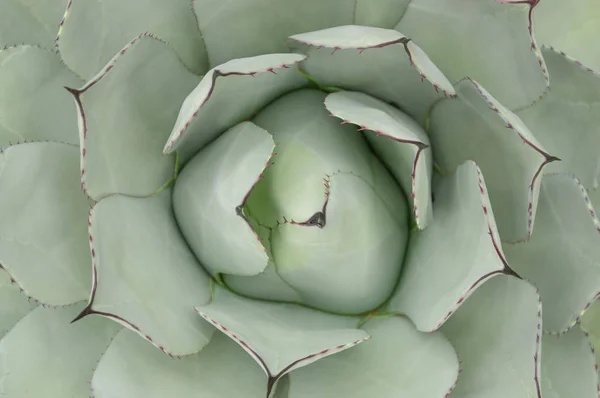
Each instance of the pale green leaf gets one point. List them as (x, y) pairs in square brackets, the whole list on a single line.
[(398, 140), (209, 197), (46, 356), (483, 39), (398, 361), (567, 118), (379, 13), (95, 30), (132, 367), (125, 114), (496, 334), (562, 259), (570, 27), (452, 257), (30, 21), (235, 29), (280, 337), (145, 276), (230, 93), (34, 105), (379, 62), (13, 304), (568, 366), (43, 234), (477, 127)]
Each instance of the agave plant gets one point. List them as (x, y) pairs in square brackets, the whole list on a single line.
[(299, 198)]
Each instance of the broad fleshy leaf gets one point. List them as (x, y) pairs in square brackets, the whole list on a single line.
[(95, 30), (379, 13), (568, 366), (46, 356), (454, 255), (398, 140), (477, 127), (230, 93), (398, 361), (567, 118), (132, 367), (13, 304), (137, 252), (234, 29), (562, 259), (30, 21), (379, 62), (33, 103), (570, 27), (487, 40), (125, 114), (280, 337), (209, 197), (43, 211), (497, 336)]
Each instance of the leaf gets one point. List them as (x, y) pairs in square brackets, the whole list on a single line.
[(125, 113), (32, 22), (225, 24), (132, 367), (379, 62), (95, 30), (497, 334), (209, 197), (267, 285), (33, 105), (477, 127), (242, 87), (487, 40), (138, 252), (451, 258), (13, 304), (398, 361), (568, 366), (43, 244), (280, 337), (566, 119), (379, 13), (578, 28), (402, 146), (562, 259), (45, 356)]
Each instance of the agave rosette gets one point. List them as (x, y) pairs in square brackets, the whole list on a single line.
[(297, 199)]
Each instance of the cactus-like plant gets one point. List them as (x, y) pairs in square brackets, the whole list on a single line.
[(299, 198)]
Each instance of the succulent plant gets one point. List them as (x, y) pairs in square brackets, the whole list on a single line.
[(299, 198)]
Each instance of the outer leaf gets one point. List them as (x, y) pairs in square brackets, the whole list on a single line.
[(379, 13), (477, 127), (379, 62), (125, 113), (209, 197), (458, 252), (563, 256), (226, 25), (242, 87), (95, 30), (43, 243), (138, 251), (402, 146), (33, 103), (45, 356), (280, 337), (398, 361), (567, 118), (30, 21), (487, 40), (131, 367), (497, 334), (13, 304), (569, 366), (578, 28)]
